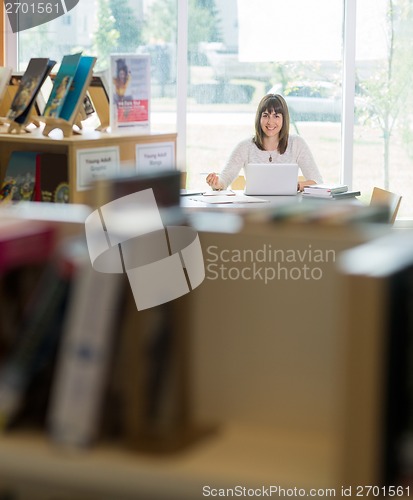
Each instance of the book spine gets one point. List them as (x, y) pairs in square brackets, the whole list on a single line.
[(83, 360), (38, 332), (34, 244), (37, 192)]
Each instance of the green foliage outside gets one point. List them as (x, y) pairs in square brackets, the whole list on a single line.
[(106, 36), (204, 25), (127, 25), (387, 92)]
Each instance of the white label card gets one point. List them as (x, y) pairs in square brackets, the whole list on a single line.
[(152, 157), (94, 164)]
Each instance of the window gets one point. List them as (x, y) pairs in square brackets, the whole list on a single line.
[(237, 53), (249, 54), (102, 27), (383, 153)]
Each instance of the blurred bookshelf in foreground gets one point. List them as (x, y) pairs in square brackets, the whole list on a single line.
[(264, 394)]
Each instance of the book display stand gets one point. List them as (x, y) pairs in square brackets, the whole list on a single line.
[(102, 110), (20, 128), (59, 123)]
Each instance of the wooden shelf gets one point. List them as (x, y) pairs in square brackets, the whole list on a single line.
[(300, 401), (88, 139), (242, 455)]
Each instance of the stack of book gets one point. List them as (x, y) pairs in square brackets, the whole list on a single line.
[(35, 176), (329, 191)]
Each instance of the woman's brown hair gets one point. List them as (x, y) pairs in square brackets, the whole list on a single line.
[(273, 103)]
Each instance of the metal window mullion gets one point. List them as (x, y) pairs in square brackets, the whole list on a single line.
[(349, 78), (182, 83)]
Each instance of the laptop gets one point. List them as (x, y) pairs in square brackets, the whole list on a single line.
[(264, 179)]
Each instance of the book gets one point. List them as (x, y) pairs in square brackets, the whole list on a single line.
[(43, 95), (99, 94), (333, 196), (30, 84), (36, 176), (23, 242), (36, 339), (346, 194), (61, 84), (11, 90), (52, 183), (130, 91), (78, 89), (20, 177), (325, 189), (84, 355)]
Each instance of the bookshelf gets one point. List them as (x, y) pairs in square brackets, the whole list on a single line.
[(237, 455), (88, 140), (295, 399)]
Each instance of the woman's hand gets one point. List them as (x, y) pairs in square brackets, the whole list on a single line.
[(301, 184), (213, 181)]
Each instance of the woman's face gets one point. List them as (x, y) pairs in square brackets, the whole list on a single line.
[(122, 75), (271, 123)]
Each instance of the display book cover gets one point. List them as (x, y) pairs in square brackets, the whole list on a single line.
[(78, 88), (34, 176), (61, 84), (98, 93), (130, 90), (30, 84)]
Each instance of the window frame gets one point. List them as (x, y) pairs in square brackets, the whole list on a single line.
[(10, 55)]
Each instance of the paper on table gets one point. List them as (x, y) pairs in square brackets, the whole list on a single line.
[(223, 192), (236, 198)]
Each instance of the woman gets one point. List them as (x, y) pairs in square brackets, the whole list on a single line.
[(272, 143), (122, 80)]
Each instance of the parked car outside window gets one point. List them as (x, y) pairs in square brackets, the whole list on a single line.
[(311, 101)]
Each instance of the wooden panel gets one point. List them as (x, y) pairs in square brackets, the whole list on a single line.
[(56, 143)]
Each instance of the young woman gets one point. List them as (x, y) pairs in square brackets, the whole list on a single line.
[(272, 143)]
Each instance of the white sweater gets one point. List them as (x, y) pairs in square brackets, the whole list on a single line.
[(247, 152)]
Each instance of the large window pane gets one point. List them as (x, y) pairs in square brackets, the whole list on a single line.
[(102, 27), (383, 155), (248, 54)]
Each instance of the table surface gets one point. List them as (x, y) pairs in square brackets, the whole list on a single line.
[(190, 204)]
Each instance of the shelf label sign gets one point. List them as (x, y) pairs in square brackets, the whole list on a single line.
[(153, 157), (95, 164)]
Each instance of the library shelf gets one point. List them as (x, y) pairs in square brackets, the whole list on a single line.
[(88, 140), (237, 455)]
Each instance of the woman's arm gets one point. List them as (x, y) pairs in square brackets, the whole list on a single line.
[(237, 160), (306, 162)]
